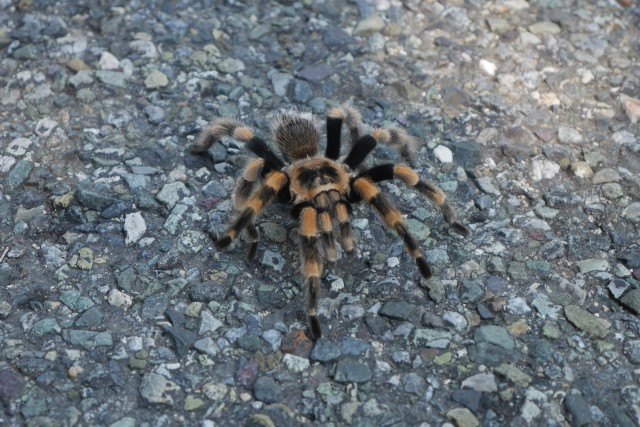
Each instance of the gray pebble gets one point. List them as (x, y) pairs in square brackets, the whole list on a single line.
[(325, 351), (350, 371), (300, 91), (267, 390)]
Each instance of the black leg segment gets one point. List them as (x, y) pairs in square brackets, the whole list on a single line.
[(360, 151)]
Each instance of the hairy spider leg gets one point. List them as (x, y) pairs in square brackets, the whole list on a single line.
[(271, 186), (311, 264), (334, 131), (220, 127), (360, 151), (324, 208), (391, 216), (260, 148), (411, 178), (350, 116), (245, 186), (342, 213), (397, 137)]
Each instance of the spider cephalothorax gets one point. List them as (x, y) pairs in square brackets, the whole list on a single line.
[(321, 188)]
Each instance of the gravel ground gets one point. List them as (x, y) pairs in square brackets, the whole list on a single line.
[(116, 309)]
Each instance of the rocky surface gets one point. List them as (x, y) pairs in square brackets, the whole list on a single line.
[(116, 310)]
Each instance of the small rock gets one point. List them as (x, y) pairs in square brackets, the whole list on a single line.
[(280, 82), (496, 335), (83, 259), (414, 383), (488, 67), (119, 299), (513, 374), (134, 227), (632, 212), (581, 169), (586, 321), (300, 91), (631, 107), (215, 391), (19, 146), (325, 351), (349, 371), (592, 264), (230, 66), (400, 310), (112, 78), (46, 326), (469, 398), (463, 417), (443, 154), (498, 25), (632, 350), (191, 403), (273, 260), (517, 305), (19, 174), (486, 185), (171, 193), (457, 320), (155, 388), (543, 169), (45, 127), (631, 300), (579, 410), (544, 27), (267, 390), (295, 363), (108, 61), (606, 175), (316, 72), (156, 79), (626, 139), (481, 382), (568, 135), (11, 386), (372, 24)]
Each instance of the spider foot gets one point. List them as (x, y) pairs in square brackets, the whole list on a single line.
[(423, 266), (460, 229), (223, 242), (314, 328)]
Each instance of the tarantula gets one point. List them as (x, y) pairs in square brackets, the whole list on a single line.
[(321, 188)]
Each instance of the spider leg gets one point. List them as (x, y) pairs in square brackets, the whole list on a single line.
[(411, 178), (273, 183), (342, 212), (220, 127), (311, 265), (367, 190), (348, 115), (360, 150), (324, 208), (397, 137), (245, 186)]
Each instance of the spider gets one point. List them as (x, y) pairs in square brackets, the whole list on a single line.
[(320, 188)]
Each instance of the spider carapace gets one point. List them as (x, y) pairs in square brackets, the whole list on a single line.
[(321, 188)]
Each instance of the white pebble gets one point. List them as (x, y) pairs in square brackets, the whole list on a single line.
[(488, 67), (543, 169), (393, 262), (443, 154), (119, 299), (108, 61), (337, 285), (134, 227)]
